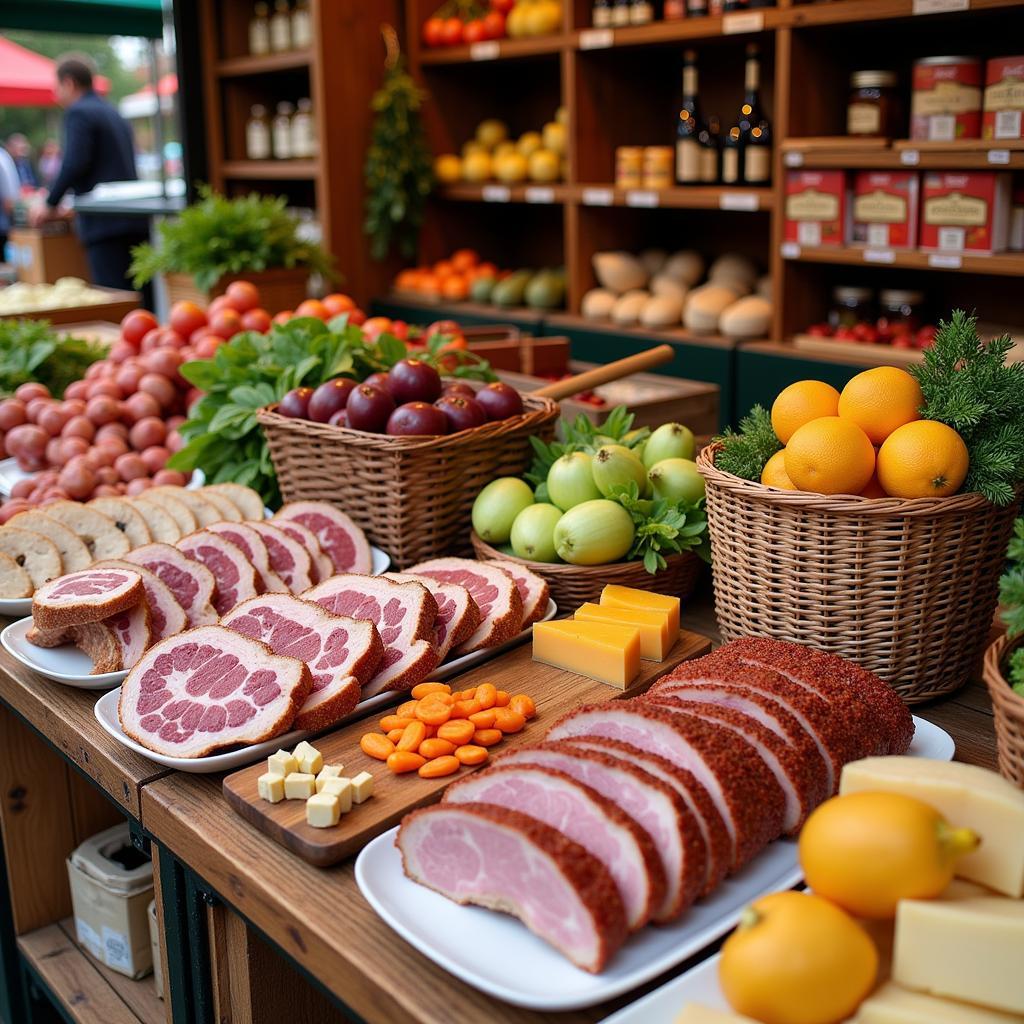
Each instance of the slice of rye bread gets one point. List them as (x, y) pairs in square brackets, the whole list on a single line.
[(162, 527), (36, 554), (14, 581), (87, 596), (100, 535), (74, 555), (228, 509), (245, 499), (204, 511), (177, 510), (126, 518)]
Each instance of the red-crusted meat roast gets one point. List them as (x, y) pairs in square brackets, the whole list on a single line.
[(341, 540), (90, 595), (191, 582)]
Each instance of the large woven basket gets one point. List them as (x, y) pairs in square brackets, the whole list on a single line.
[(1008, 708), (573, 585), (412, 495), (905, 588)]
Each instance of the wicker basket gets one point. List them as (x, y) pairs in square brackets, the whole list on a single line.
[(1009, 709), (905, 588), (412, 495), (573, 585)]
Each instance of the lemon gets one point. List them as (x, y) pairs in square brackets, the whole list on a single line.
[(503, 149), (448, 169), (476, 167), (543, 18), (515, 25), (554, 137), (529, 142), (490, 132), (471, 147), (544, 165), (511, 168)]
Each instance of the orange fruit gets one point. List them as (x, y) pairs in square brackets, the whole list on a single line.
[(880, 400), (464, 259), (444, 268), (774, 473), (923, 459), (454, 287), (830, 455), (408, 279), (800, 403)]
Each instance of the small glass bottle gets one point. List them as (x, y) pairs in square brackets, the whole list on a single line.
[(281, 27), (731, 152), (282, 131), (259, 29), (302, 26), (641, 12), (303, 131), (257, 134), (602, 14), (873, 110), (620, 13)]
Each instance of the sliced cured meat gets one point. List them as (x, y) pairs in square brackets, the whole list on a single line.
[(36, 554), (162, 527), (497, 858), (235, 576), (74, 555), (744, 790), (191, 582), (533, 591), (495, 593), (585, 816), (87, 596), (204, 511), (126, 518), (117, 642), (95, 530), (289, 559), (341, 540), (715, 835), (654, 805), (457, 612), (227, 510), (404, 616), (342, 653), (322, 567), (251, 544), (245, 499), (210, 688), (166, 616)]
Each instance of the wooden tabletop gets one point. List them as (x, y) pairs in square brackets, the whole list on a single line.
[(319, 917)]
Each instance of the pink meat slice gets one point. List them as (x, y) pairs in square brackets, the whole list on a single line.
[(210, 688), (166, 616), (90, 595), (191, 583), (251, 544), (342, 653), (132, 632), (533, 590), (342, 541), (234, 573), (404, 615), (507, 861), (655, 806), (322, 566), (289, 559), (586, 817), (457, 612), (495, 593), (114, 644)]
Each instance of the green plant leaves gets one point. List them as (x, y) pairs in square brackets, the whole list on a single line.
[(32, 350)]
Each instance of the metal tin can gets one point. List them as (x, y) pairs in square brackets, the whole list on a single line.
[(658, 167), (1004, 98), (946, 104), (629, 164)]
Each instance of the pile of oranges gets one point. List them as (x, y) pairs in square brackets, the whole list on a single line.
[(868, 440), (450, 278)]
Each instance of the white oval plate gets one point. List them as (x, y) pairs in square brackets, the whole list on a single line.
[(15, 607), (11, 473), (381, 561), (479, 946), (662, 1006), (67, 664)]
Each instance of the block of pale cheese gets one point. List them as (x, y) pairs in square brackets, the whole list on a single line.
[(695, 1013), (329, 771), (271, 787), (310, 761), (616, 596), (362, 787), (893, 1004), (964, 945), (342, 789), (599, 650), (282, 763), (322, 810), (968, 797), (654, 635), (299, 786)]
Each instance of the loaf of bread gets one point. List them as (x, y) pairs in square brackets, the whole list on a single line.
[(653, 260), (705, 305), (619, 272), (661, 311), (686, 267), (734, 271), (626, 311), (750, 317), (88, 596), (597, 304)]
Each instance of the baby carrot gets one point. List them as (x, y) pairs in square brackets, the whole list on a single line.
[(501, 699), (395, 734), (422, 689), (457, 731), (507, 721), (471, 754), (439, 767), (435, 748), (523, 703), (484, 719), (407, 710), (402, 761), (465, 708), (487, 737), (389, 722), (372, 744), (433, 712), (412, 736), (486, 693)]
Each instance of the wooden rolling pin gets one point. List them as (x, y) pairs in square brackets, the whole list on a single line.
[(603, 374)]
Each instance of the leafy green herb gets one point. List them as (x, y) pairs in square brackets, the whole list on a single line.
[(32, 350), (219, 236), (663, 527), (1011, 597), (744, 454), (968, 385)]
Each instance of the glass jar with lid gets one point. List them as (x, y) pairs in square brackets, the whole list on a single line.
[(851, 306), (303, 131), (259, 29), (874, 108), (281, 27), (302, 26), (282, 131), (257, 134), (902, 309)]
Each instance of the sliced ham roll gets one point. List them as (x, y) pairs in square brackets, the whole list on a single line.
[(341, 540), (114, 644), (533, 591), (251, 544), (191, 583), (585, 816), (234, 573), (457, 613), (166, 616), (288, 558), (498, 858), (322, 567)]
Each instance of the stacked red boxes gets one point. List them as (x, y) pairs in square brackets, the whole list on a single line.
[(965, 212), (1004, 99), (816, 207), (884, 209)]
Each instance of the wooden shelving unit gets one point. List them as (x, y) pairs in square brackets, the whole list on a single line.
[(270, 170), (1005, 264), (906, 154)]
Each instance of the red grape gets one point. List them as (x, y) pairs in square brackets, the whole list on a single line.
[(369, 407)]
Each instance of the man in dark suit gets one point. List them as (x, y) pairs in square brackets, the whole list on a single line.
[(98, 147)]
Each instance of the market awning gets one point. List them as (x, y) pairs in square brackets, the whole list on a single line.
[(27, 79), (89, 17)]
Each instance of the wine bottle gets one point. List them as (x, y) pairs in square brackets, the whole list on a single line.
[(757, 155), (689, 126), (710, 152), (755, 130), (731, 156)]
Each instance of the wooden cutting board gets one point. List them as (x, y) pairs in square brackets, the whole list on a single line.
[(553, 690)]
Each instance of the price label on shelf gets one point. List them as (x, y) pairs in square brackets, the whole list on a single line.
[(644, 198), (598, 197), (945, 261), (488, 49), (596, 39), (539, 194), (940, 6), (747, 201), (879, 256), (910, 157), (790, 251), (998, 156), (742, 21), (793, 159), (496, 193)]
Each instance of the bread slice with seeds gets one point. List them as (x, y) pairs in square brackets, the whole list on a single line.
[(162, 527), (97, 531), (36, 554), (74, 555), (205, 511), (177, 510), (14, 581), (245, 499), (126, 518)]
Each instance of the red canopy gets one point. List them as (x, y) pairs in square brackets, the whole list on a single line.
[(27, 79)]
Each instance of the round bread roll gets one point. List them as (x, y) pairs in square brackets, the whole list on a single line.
[(97, 531), (653, 260), (733, 267), (750, 317), (597, 304), (74, 555), (665, 285), (14, 581), (619, 272), (626, 311), (705, 305), (661, 311), (686, 267), (36, 554)]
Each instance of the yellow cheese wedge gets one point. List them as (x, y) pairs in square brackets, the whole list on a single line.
[(614, 596), (967, 948), (654, 635), (601, 650), (967, 796), (893, 1004), (271, 787), (694, 1013)]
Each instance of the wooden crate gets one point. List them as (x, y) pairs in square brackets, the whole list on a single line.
[(43, 255), (117, 306), (279, 289)]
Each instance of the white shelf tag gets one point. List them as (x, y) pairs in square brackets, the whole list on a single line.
[(793, 159), (790, 251), (596, 39), (879, 256), (539, 194), (940, 6), (645, 199), (910, 157), (489, 49), (998, 156), (496, 193), (598, 197), (742, 21), (747, 201), (942, 261)]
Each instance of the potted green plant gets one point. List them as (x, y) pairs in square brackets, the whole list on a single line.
[(219, 240)]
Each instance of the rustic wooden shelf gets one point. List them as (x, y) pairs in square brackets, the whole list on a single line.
[(495, 49), (270, 170), (906, 154), (495, 192), (262, 64), (669, 32), (843, 12), (679, 335), (844, 353), (738, 198), (1004, 264)]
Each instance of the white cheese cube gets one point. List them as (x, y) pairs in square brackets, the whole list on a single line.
[(299, 786), (329, 771), (362, 787), (322, 810), (282, 763), (271, 787), (341, 788), (892, 1004), (309, 758)]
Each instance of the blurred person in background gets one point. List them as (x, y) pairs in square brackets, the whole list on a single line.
[(21, 153), (10, 190), (98, 147), (49, 161)]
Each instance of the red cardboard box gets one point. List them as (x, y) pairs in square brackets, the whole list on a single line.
[(884, 209), (965, 212), (1004, 99), (815, 207)]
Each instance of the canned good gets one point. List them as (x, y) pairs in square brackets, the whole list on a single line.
[(629, 163), (873, 108), (1004, 98), (658, 167), (946, 104)]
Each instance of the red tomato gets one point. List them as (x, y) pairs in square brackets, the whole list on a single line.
[(474, 31), (243, 296), (400, 329), (375, 327), (453, 32), (207, 345), (256, 320), (820, 330), (494, 25), (219, 303), (357, 317), (186, 317), (136, 324), (314, 308), (283, 317), (336, 303), (160, 338), (504, 6), (226, 323), (433, 32)]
